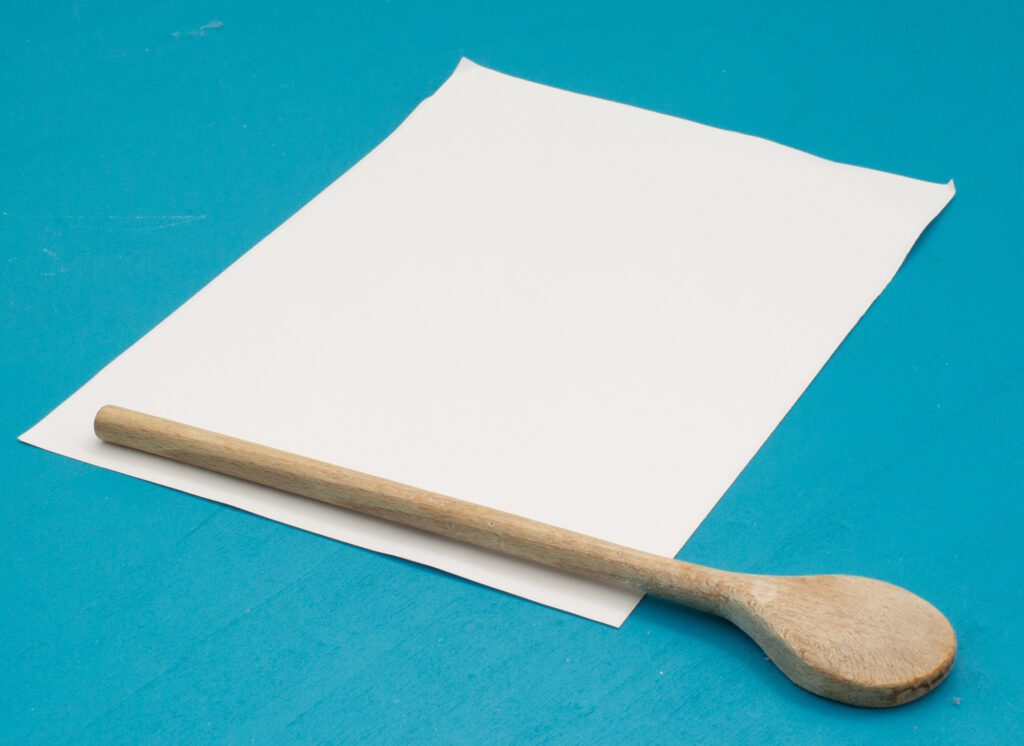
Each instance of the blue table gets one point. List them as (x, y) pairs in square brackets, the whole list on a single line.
[(143, 147)]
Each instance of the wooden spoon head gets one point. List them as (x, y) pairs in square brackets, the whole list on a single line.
[(855, 640)]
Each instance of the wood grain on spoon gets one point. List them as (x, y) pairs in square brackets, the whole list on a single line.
[(847, 638)]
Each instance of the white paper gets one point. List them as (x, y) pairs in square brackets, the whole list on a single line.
[(566, 308)]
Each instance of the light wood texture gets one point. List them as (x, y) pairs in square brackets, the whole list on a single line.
[(855, 640)]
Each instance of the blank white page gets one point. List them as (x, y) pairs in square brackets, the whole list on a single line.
[(566, 308)]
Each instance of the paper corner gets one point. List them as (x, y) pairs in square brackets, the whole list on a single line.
[(466, 64)]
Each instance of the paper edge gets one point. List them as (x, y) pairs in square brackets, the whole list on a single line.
[(467, 65), (616, 619)]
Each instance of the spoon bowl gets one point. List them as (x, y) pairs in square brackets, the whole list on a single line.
[(852, 639)]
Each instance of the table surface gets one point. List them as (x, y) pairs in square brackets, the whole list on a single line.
[(143, 147)]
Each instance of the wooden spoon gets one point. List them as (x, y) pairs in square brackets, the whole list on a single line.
[(847, 638)]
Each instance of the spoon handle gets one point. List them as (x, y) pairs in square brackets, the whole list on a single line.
[(690, 584)]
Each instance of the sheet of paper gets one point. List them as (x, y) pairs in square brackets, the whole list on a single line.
[(566, 308)]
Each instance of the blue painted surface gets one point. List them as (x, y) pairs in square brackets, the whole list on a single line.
[(141, 153)]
